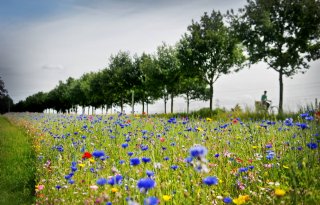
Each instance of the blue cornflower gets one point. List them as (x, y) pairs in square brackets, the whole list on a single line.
[(98, 153), (174, 167), (303, 115), (109, 203), (92, 170), (243, 169), (312, 145), (145, 184), (101, 181), (150, 173), (118, 179), (134, 161), (59, 148), (198, 151), (71, 181), (172, 120), (216, 155), (68, 176), (210, 181), (144, 147), (58, 187), (124, 145), (268, 146), (251, 167), (302, 125), (309, 118), (188, 159), (166, 158), (115, 180), (130, 153), (73, 168), (121, 161), (146, 159), (227, 200), (288, 122), (151, 201)]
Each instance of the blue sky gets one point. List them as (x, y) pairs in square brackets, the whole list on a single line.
[(44, 41)]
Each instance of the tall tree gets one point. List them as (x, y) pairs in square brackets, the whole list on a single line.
[(148, 90), (282, 33), (5, 101), (169, 67), (124, 76), (211, 49), (3, 90)]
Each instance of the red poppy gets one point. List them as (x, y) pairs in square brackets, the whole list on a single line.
[(234, 121), (86, 155), (239, 160)]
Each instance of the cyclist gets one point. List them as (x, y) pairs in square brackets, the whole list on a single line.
[(264, 100)]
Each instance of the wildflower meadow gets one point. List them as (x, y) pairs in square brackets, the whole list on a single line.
[(126, 159)]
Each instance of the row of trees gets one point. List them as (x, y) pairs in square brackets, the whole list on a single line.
[(282, 33)]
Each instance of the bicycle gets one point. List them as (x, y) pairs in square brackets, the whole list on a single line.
[(261, 107)]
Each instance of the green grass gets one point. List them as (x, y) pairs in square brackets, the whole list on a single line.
[(16, 165)]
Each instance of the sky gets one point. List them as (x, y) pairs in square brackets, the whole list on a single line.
[(44, 41)]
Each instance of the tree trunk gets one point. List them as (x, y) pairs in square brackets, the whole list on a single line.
[(211, 94), (188, 103), (171, 102), (165, 104), (147, 107), (142, 107), (281, 92), (121, 106)]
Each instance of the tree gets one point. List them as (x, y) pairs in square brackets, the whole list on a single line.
[(210, 49), (5, 101), (194, 89), (148, 91), (282, 33), (169, 67), (3, 90), (124, 77)]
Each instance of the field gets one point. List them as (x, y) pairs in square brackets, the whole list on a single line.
[(132, 160)]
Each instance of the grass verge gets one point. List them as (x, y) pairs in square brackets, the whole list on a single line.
[(17, 179)]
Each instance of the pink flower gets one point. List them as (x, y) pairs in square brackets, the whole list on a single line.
[(94, 187)]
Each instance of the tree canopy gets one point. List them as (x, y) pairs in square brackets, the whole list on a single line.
[(282, 33)]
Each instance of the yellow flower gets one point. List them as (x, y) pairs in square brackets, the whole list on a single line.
[(254, 147), (82, 165), (199, 129), (209, 119), (238, 201), (241, 199), (114, 190), (166, 197), (91, 160), (279, 192), (286, 167)]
